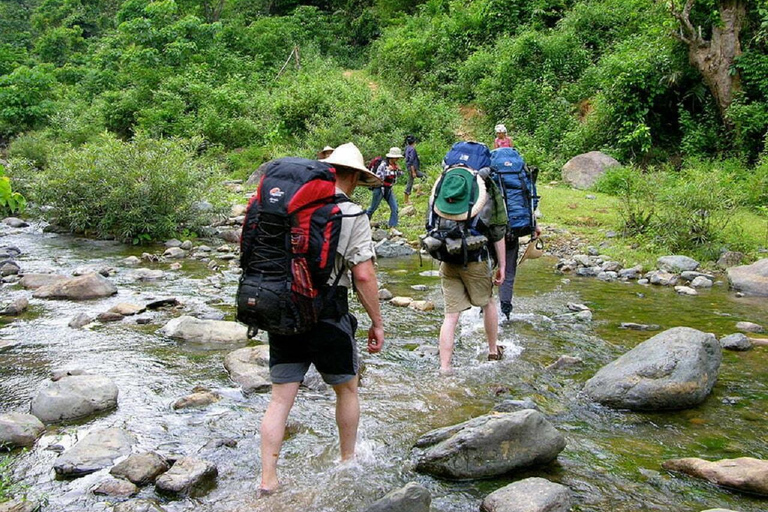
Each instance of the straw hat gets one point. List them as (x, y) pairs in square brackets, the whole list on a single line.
[(534, 250), (348, 156), (327, 148), (500, 128), (395, 153), (458, 187)]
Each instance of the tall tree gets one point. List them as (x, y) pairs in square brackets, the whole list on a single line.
[(714, 57)]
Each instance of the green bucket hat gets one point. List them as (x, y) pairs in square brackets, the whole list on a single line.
[(460, 187)]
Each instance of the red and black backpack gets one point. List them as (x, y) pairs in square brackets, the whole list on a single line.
[(288, 246)]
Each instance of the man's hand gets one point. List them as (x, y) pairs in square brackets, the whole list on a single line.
[(499, 277), (375, 339), (537, 232)]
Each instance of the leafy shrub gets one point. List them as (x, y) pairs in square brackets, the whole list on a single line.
[(637, 192), (10, 202), (139, 190), (25, 98)]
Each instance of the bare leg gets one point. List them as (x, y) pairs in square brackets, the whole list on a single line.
[(491, 323), (447, 333), (273, 431), (347, 416)]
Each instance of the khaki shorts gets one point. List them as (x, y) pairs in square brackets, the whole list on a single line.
[(462, 288)]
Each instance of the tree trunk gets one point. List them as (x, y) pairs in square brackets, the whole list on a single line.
[(715, 58)]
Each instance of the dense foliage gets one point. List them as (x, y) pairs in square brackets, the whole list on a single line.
[(251, 80)]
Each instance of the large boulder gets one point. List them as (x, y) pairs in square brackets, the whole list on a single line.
[(189, 328), (744, 474), (675, 369), (529, 495), (186, 474), (490, 445), (249, 367), (411, 498), (582, 171), (393, 249), (750, 279), (97, 450), (73, 397), (89, 286), (19, 430), (677, 264), (35, 281)]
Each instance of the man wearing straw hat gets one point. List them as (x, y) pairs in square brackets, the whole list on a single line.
[(330, 345), (471, 283), (387, 172)]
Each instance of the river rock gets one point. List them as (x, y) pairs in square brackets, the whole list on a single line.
[(146, 274), (175, 253), (249, 367), (675, 369), (9, 268), (189, 328), (401, 302), (131, 261), (186, 474), (529, 495), (676, 264), (631, 273), (737, 341), (80, 320), (661, 278), (511, 405), (411, 498), (422, 305), (750, 279), (743, 474), (701, 282), (35, 281), (19, 430), (173, 242), (127, 309), (199, 398), (730, 259), (385, 294), (20, 505), (89, 286), (115, 487), (748, 327), (490, 445), (393, 249), (639, 327), (73, 397), (15, 308), (685, 290), (141, 468), (575, 306), (582, 171), (109, 316), (96, 451), (142, 505), (230, 235), (565, 361), (15, 222)]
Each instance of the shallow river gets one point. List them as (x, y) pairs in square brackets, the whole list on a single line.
[(612, 461)]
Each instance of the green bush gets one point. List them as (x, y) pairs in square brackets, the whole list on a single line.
[(637, 193), (25, 99), (11, 202), (134, 191)]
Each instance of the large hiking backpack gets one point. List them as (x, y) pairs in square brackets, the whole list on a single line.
[(473, 155), (517, 183), (288, 246), (460, 240)]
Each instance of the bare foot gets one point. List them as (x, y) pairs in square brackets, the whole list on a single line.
[(263, 492)]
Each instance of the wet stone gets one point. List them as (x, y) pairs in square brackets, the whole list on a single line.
[(141, 469), (115, 487), (19, 430), (411, 498), (9, 268), (109, 316), (15, 308), (186, 474), (529, 495), (80, 320), (73, 397), (20, 505), (96, 451), (142, 505)]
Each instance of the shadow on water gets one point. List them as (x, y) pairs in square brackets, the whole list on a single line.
[(612, 461)]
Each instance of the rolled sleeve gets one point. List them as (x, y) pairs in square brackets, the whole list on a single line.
[(360, 247)]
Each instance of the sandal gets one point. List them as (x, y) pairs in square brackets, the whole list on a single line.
[(498, 356)]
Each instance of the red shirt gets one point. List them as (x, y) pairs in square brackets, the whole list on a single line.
[(506, 142)]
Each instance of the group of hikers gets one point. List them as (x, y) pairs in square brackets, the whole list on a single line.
[(305, 243)]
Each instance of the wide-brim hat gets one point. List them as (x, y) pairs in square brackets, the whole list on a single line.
[(458, 187), (347, 155), (395, 153), (534, 250), (327, 148)]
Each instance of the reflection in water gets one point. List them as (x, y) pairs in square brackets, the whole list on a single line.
[(612, 461)]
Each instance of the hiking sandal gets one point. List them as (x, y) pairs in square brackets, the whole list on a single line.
[(498, 356)]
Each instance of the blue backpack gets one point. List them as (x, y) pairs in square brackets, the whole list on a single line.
[(518, 185), (474, 155)]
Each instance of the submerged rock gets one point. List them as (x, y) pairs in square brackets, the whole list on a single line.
[(490, 445), (529, 495), (89, 286), (141, 469), (675, 369), (411, 498), (200, 398), (745, 474), (73, 397), (115, 487), (96, 451), (186, 474), (138, 506), (19, 430)]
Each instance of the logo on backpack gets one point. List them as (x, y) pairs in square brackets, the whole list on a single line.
[(517, 183), (288, 247)]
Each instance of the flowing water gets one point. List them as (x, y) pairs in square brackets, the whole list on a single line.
[(612, 461)]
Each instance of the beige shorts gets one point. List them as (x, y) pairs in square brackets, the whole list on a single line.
[(462, 288)]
